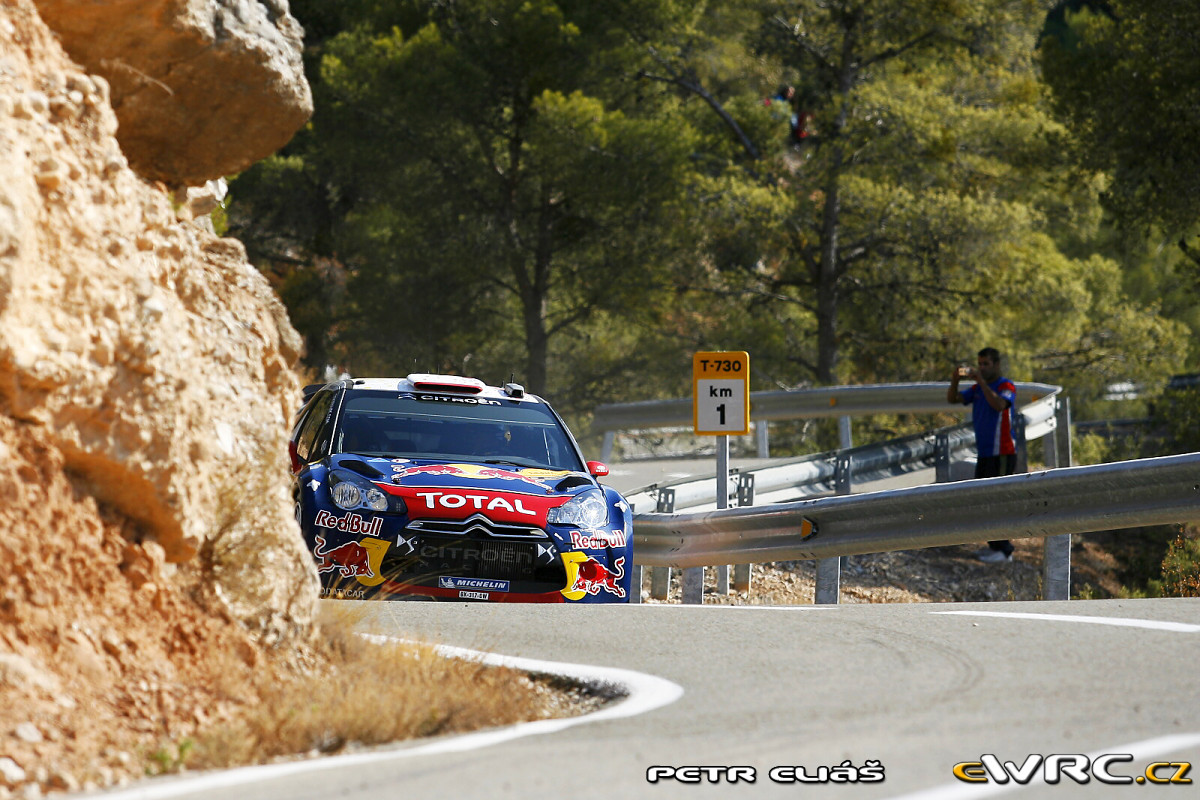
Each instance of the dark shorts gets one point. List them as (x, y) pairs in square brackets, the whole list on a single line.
[(995, 466)]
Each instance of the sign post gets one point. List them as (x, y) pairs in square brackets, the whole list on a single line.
[(720, 407)]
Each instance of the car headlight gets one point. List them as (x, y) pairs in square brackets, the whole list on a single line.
[(585, 510), (350, 491)]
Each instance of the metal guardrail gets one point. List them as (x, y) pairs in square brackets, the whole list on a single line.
[(829, 401), (809, 475), (818, 473), (1048, 503), (1046, 414)]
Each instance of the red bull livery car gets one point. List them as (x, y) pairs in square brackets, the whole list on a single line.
[(445, 487)]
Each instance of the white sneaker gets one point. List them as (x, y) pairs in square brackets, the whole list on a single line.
[(990, 556)]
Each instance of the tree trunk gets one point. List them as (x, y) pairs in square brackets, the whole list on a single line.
[(534, 286), (827, 279), (537, 343), (828, 274)]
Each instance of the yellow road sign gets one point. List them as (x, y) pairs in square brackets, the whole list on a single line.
[(721, 393)]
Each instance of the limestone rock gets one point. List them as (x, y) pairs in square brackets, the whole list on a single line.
[(28, 732), (11, 773), (155, 356), (146, 390), (202, 88)]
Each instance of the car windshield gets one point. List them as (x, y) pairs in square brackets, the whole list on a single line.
[(448, 428)]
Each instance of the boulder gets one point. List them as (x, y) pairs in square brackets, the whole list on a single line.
[(202, 88)]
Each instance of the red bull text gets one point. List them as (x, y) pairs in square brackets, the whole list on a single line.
[(350, 523), (597, 540)]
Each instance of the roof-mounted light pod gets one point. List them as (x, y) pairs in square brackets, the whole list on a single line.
[(447, 383)]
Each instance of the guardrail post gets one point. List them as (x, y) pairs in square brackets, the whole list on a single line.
[(829, 576), (841, 474), (1062, 412), (1022, 448), (722, 502), (660, 582), (1050, 446), (1056, 550), (761, 438), (745, 489), (660, 577), (829, 570), (941, 457), (693, 586), (742, 573), (606, 449)]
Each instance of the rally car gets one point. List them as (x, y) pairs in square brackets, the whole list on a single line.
[(442, 486)]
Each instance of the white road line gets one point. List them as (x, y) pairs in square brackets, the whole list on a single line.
[(1141, 751), (1176, 627), (644, 693)]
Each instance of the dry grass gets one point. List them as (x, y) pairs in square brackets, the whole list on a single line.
[(356, 692), (290, 690)]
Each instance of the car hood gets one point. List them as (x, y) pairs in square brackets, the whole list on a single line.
[(424, 473)]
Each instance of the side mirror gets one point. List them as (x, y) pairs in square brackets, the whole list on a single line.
[(597, 469), (297, 464)]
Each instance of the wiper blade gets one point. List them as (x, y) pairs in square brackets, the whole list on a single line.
[(514, 463)]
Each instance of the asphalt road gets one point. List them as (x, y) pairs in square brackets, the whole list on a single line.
[(915, 687)]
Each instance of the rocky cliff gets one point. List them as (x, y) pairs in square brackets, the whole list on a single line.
[(146, 379)]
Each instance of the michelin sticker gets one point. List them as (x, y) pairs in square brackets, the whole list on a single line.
[(448, 582)]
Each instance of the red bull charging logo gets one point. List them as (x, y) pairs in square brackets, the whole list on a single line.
[(351, 558), (587, 576), (534, 477)]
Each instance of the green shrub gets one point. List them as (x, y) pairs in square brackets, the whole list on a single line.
[(1181, 568), (1178, 411)]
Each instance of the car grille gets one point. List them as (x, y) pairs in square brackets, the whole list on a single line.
[(481, 558), (477, 524)]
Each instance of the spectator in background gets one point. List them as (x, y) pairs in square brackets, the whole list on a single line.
[(992, 399), (800, 127), (782, 98), (782, 108)]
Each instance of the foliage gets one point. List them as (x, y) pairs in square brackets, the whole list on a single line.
[(170, 758), (585, 193), (1181, 568), (1126, 81), (490, 188), (932, 212), (1178, 411)]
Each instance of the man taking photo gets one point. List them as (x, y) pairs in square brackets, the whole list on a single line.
[(992, 398)]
